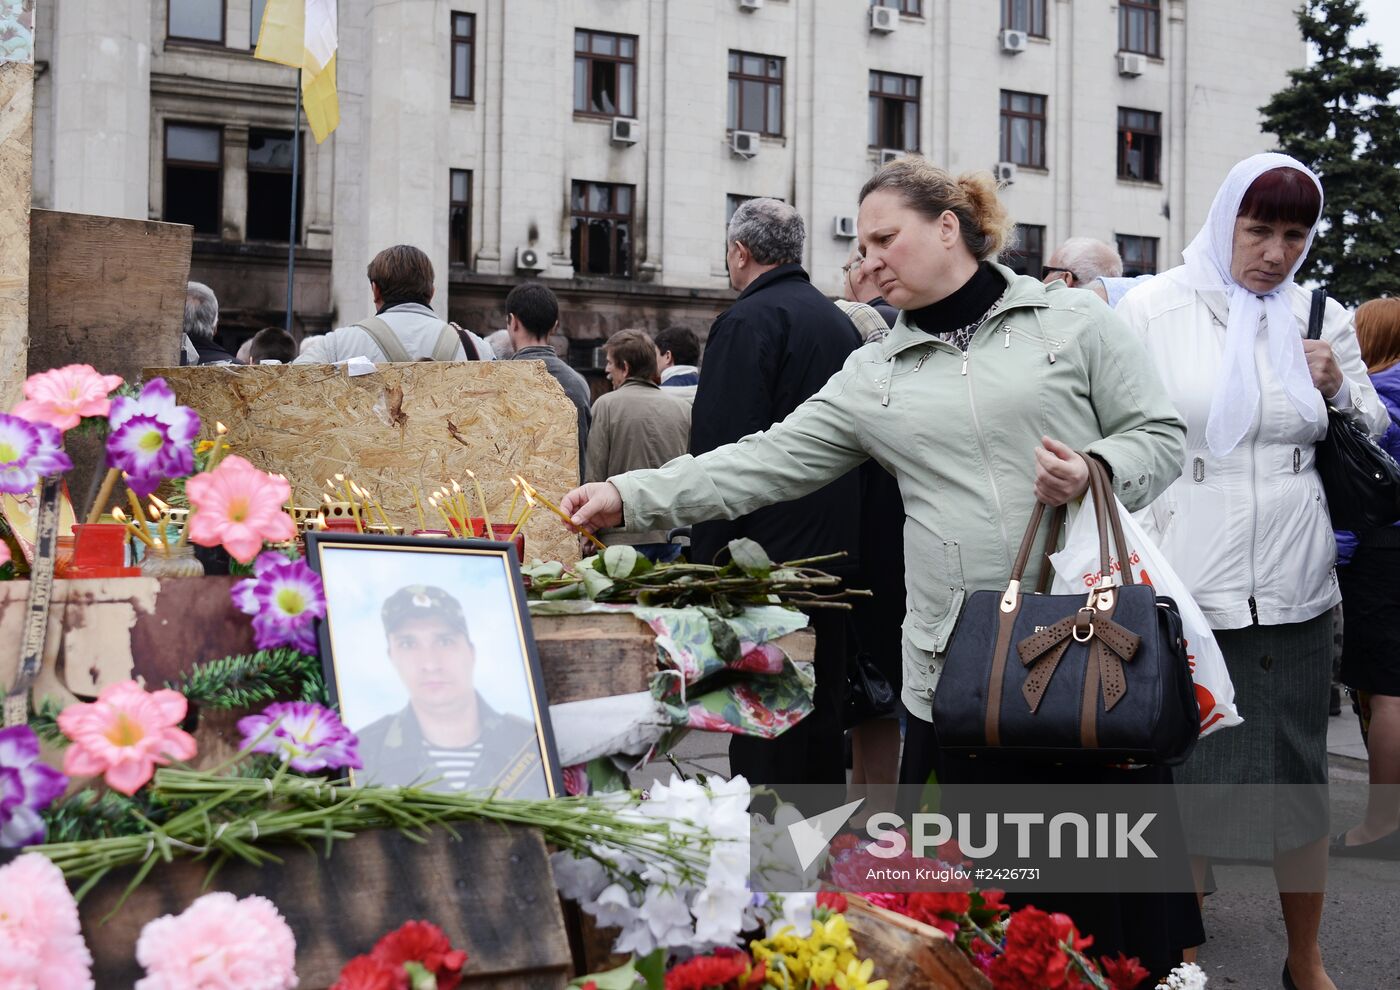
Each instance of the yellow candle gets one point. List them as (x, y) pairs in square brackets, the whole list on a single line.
[(418, 504), (510, 512), (131, 528), (103, 494), (485, 516)]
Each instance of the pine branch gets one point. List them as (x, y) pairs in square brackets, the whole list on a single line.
[(44, 722), (252, 679)]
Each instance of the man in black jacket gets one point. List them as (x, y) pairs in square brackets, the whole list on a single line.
[(775, 347)]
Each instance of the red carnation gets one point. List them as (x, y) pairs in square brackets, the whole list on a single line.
[(426, 944), (1033, 958), (718, 969), (368, 973), (833, 901), (1123, 972)]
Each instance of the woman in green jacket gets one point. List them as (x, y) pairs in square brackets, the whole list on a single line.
[(987, 394)]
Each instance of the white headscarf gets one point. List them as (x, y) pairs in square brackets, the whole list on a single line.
[(1208, 259)]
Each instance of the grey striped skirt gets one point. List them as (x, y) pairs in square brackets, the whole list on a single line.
[(1282, 675)]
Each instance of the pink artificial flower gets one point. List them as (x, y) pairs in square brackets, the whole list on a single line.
[(63, 396), (41, 942), (219, 943), (124, 734), (239, 507)]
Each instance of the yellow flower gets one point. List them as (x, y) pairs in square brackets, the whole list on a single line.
[(204, 446), (857, 977)]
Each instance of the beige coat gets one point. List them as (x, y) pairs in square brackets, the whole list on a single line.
[(641, 425)]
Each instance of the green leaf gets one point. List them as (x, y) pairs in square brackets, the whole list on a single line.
[(620, 561), (750, 558), (653, 969), (544, 571), (594, 584), (623, 978)]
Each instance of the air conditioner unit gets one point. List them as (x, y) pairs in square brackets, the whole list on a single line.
[(844, 227), (1130, 64), (625, 130), (527, 259), (884, 19), (1005, 172), (888, 155), (1013, 42), (750, 5), (744, 143)]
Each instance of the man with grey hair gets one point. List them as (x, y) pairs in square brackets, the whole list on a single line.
[(202, 327), (1080, 260), (1087, 263), (775, 347)]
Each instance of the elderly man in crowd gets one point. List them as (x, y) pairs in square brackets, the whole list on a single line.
[(861, 288), (404, 326), (775, 347), (1088, 263), (201, 344), (637, 425)]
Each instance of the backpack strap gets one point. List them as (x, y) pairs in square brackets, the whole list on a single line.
[(447, 343), (468, 344), (387, 340)]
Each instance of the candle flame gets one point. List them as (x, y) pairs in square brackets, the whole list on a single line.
[(118, 515), (165, 506), (154, 511), (220, 428), (470, 474), (338, 477), (456, 487), (321, 520)]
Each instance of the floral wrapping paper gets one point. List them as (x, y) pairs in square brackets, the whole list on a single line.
[(717, 674)]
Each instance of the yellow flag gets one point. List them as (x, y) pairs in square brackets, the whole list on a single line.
[(302, 34)]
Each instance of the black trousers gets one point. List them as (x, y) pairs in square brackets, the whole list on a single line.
[(813, 750)]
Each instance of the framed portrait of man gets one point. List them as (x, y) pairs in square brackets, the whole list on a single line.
[(428, 654)]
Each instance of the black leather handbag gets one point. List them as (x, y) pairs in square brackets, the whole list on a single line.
[(1100, 678), (1361, 480), (869, 694)]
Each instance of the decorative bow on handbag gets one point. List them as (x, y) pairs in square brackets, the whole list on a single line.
[(1110, 646)]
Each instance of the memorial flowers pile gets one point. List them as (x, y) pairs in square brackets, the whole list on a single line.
[(285, 598)]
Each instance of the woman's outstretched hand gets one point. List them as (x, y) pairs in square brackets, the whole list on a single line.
[(593, 506), (1060, 472)]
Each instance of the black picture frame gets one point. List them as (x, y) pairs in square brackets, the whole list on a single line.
[(324, 552)]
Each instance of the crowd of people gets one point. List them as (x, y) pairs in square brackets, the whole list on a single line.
[(1198, 393), (913, 425)]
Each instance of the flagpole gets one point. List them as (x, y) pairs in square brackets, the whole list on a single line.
[(292, 223)]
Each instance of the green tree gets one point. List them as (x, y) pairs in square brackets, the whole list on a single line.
[(1337, 116)]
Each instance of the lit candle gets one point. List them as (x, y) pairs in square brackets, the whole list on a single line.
[(131, 527), (485, 516)]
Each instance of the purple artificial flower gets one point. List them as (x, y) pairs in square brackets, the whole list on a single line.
[(309, 736), (151, 438), (285, 597), (27, 787), (28, 451)]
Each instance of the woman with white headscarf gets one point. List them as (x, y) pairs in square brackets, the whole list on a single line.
[(1246, 525)]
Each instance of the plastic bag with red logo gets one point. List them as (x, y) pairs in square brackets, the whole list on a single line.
[(1077, 570)]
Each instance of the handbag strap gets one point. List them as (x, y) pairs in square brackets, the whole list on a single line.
[(1319, 307), (1098, 475)]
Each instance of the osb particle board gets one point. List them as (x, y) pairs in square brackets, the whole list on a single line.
[(418, 424), (16, 162)]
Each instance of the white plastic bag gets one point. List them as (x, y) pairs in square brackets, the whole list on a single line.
[(1077, 570)]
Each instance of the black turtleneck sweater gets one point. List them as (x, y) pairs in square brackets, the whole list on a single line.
[(965, 306)]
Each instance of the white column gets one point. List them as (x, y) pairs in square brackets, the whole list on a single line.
[(391, 153), (102, 107)]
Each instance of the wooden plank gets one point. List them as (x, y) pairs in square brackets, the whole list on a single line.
[(492, 893), (106, 292), (908, 953), (418, 424), (109, 293), (16, 170)]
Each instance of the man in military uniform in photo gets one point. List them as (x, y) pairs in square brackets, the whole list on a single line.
[(447, 737)]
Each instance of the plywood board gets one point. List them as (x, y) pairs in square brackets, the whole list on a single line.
[(418, 424), (106, 292), (491, 892), (16, 164)]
